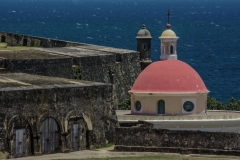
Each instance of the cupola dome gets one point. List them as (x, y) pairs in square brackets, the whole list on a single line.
[(169, 77), (143, 33), (168, 33)]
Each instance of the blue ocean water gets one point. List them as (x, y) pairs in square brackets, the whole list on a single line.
[(209, 30)]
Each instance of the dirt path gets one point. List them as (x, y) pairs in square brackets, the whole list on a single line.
[(108, 152)]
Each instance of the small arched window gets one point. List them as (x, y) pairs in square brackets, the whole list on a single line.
[(161, 107), (171, 49)]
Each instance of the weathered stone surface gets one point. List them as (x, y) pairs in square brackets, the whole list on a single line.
[(104, 64), (24, 40), (27, 100), (34, 98), (119, 67), (37, 62), (145, 138)]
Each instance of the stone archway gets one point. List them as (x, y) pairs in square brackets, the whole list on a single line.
[(77, 125), (20, 137)]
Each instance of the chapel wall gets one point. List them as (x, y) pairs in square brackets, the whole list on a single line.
[(173, 104)]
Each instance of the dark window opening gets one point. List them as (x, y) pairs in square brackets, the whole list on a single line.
[(118, 58), (171, 49), (24, 42), (144, 46), (3, 39)]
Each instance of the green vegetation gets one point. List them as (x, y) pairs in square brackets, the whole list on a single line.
[(125, 105), (107, 145), (77, 72), (214, 104)]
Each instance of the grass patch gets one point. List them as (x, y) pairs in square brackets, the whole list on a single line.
[(3, 45), (107, 145)]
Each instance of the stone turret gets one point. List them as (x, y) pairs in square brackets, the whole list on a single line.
[(144, 46)]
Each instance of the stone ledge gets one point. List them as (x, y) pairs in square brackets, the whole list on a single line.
[(176, 150)]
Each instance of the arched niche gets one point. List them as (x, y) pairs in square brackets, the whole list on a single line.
[(77, 125), (20, 137)]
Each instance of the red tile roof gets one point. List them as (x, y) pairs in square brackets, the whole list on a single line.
[(169, 76)]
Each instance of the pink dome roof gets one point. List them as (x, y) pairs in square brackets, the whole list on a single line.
[(169, 76)]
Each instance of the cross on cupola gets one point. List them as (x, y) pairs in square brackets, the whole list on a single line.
[(169, 14)]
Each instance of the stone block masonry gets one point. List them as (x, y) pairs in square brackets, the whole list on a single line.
[(13, 39), (145, 138), (37, 62), (119, 67), (105, 69), (30, 103)]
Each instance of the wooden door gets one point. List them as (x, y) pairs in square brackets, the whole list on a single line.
[(19, 142), (50, 136), (161, 107), (75, 137)]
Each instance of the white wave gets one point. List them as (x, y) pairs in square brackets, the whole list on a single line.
[(188, 45)]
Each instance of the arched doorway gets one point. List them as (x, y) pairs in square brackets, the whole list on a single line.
[(78, 135), (161, 107), (20, 137), (50, 136)]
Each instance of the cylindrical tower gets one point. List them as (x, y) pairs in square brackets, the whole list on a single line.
[(144, 47)]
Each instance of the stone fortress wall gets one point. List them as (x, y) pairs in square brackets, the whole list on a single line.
[(36, 97), (13, 39), (29, 101), (142, 137), (95, 63)]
